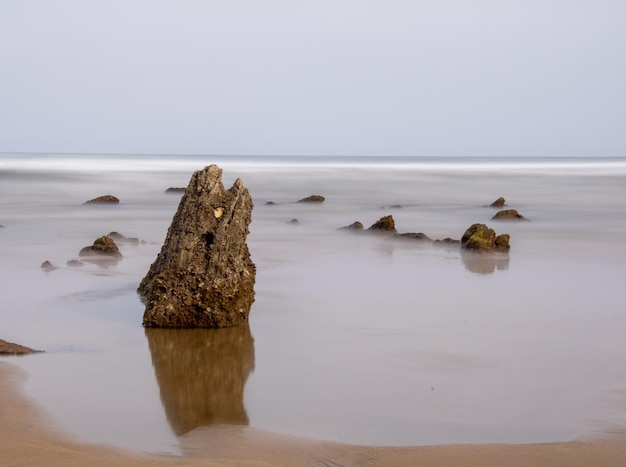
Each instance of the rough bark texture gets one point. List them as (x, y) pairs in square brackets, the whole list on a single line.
[(203, 277)]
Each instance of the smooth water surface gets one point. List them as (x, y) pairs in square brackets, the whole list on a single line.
[(354, 338)]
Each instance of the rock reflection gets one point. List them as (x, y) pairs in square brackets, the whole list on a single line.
[(485, 263), (202, 374)]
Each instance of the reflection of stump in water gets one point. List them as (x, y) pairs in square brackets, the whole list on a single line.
[(485, 263), (201, 374)]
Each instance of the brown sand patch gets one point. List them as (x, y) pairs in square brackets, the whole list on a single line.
[(27, 437)]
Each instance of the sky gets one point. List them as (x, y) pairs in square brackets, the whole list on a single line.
[(315, 77)]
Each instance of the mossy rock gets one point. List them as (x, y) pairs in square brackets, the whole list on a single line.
[(312, 199), (385, 224), (481, 239), (354, 226), (508, 215), (105, 199)]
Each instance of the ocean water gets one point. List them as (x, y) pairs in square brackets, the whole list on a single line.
[(352, 338)]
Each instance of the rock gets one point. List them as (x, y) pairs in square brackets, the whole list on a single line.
[(500, 202), (354, 226), (481, 239), (415, 236), (103, 249), (385, 224), (119, 238), (312, 199), (9, 348), (203, 277), (175, 189), (75, 263), (48, 266), (270, 203), (508, 215), (105, 199), (502, 243), (294, 221), (2, 226), (447, 241)]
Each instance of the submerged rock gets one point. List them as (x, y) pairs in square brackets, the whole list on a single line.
[(354, 226), (175, 189), (500, 202), (385, 224), (102, 248), (312, 199), (9, 348), (203, 277), (104, 199), (415, 236), (447, 241), (481, 239), (48, 266), (119, 238), (508, 215), (75, 263)]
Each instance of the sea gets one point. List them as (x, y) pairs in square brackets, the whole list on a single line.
[(353, 338)]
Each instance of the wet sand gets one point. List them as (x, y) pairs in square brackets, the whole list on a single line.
[(29, 437)]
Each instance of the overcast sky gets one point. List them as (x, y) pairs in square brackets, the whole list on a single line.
[(330, 77)]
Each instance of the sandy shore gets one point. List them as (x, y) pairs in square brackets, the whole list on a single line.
[(28, 437)]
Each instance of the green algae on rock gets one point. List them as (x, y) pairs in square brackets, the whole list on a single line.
[(481, 239)]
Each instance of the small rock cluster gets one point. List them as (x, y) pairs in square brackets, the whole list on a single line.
[(103, 252)]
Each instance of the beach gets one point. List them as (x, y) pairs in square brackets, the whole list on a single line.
[(361, 350), (28, 437)]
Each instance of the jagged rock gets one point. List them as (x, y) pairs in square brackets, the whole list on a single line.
[(9, 348), (385, 224), (500, 202), (415, 236), (481, 239), (312, 199), (354, 226), (105, 199), (203, 277), (119, 238), (48, 266), (175, 189), (103, 249), (508, 215), (75, 263)]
